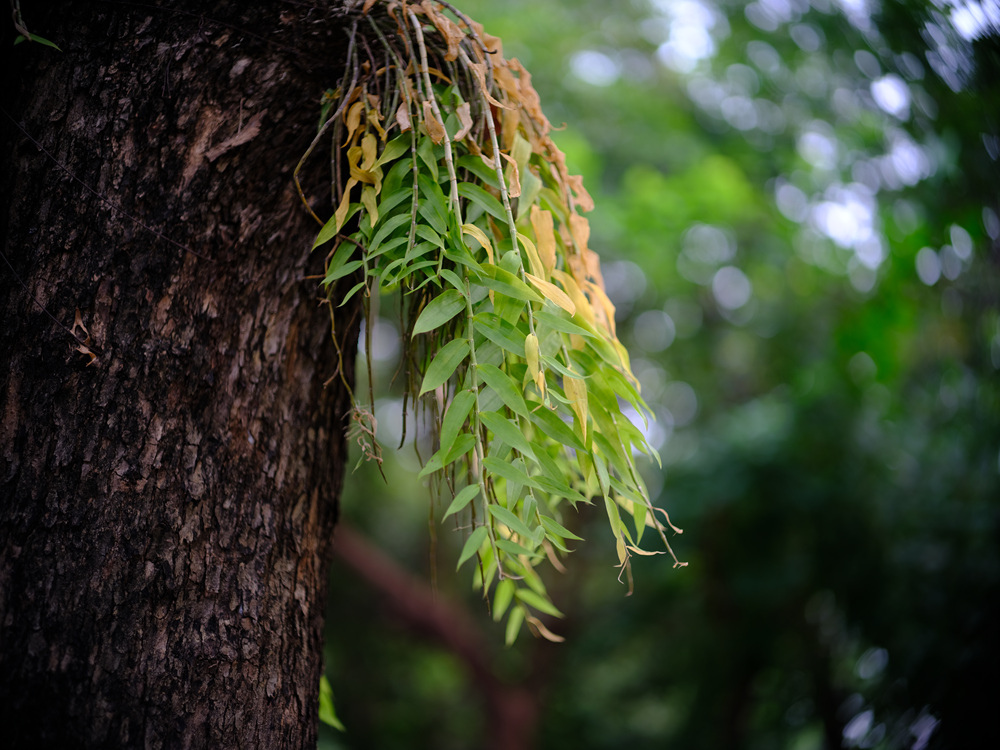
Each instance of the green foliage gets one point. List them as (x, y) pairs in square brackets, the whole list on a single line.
[(23, 34), (327, 714), (456, 196)]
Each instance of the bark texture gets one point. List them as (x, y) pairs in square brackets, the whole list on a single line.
[(167, 505)]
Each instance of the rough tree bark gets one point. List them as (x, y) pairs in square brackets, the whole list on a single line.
[(167, 508)]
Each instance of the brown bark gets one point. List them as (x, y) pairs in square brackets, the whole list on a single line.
[(167, 508)]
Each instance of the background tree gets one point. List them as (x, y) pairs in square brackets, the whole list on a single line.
[(170, 459), (802, 201)]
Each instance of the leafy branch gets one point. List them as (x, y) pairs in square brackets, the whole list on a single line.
[(456, 195)]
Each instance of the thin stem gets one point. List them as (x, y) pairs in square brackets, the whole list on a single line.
[(448, 157), (345, 96), (477, 429)]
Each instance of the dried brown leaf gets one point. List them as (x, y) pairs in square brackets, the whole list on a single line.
[(513, 176), (464, 113), (403, 117), (579, 227), (434, 127)]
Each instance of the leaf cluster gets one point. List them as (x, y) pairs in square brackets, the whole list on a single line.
[(448, 189)]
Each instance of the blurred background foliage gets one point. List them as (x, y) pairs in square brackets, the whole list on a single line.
[(797, 215)]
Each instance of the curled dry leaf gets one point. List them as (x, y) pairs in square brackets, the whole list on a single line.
[(434, 127), (464, 113), (403, 117)]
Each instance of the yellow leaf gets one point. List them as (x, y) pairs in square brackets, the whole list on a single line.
[(434, 127), (354, 120), (622, 552), (354, 155), (534, 262), (604, 307), (345, 204), (372, 115), (552, 292), (531, 356), (576, 294), (369, 150), (480, 237), (545, 236), (576, 393), (368, 201), (646, 552), (521, 151)]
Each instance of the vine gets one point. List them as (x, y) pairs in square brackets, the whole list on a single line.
[(456, 196)]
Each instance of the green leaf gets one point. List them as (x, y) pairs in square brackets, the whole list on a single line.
[(455, 417), (326, 712), (472, 545), (354, 290), (549, 422), (483, 199), (35, 38), (502, 598), (444, 364), (512, 522), (500, 332), (505, 430), (394, 149), (453, 278), (561, 322), (504, 387), (392, 200), (513, 625), (463, 498), (338, 261), (433, 205), (344, 270), (430, 235), (479, 168), (510, 471), (327, 232), (439, 311), (387, 247), (541, 603), (552, 485), (553, 527), (425, 150), (507, 284), (465, 443), (385, 230), (516, 550), (435, 463)]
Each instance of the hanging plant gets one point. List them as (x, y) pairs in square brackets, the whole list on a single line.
[(456, 196)]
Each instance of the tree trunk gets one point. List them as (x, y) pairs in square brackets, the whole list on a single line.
[(170, 459)]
